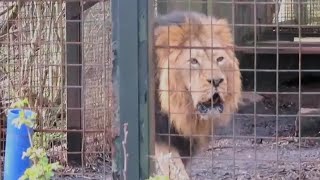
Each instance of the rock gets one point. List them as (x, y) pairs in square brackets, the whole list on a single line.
[(310, 125)]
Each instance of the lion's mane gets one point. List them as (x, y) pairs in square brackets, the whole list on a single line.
[(175, 113)]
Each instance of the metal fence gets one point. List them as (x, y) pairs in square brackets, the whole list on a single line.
[(275, 132), (71, 58), (57, 54)]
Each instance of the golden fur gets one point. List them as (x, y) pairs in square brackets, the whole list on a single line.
[(183, 85)]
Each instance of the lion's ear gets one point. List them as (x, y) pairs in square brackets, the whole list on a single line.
[(168, 35), (222, 30), (175, 34)]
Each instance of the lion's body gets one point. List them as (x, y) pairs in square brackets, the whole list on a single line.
[(181, 86)]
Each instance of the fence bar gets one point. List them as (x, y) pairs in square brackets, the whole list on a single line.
[(73, 73), (146, 88), (116, 160)]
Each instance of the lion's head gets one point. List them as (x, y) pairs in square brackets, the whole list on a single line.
[(198, 73)]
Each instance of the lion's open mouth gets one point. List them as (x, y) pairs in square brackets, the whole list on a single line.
[(213, 103)]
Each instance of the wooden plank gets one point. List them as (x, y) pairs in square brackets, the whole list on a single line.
[(282, 50)]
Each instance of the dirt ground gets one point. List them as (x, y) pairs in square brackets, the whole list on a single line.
[(235, 153), (263, 161), (237, 156)]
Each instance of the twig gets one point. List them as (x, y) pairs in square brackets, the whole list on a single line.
[(13, 15), (30, 138), (124, 143), (6, 10)]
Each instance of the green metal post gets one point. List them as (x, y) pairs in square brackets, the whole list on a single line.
[(145, 15), (128, 89), (132, 32)]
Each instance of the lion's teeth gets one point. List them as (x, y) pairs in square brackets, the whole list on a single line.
[(220, 108)]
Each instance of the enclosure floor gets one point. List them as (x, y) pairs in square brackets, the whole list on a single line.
[(239, 155), (218, 163)]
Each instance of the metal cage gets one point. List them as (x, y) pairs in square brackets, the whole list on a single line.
[(86, 67), (270, 136), (57, 55)]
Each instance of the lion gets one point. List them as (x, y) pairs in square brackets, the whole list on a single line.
[(198, 85)]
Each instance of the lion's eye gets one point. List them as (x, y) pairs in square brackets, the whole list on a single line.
[(219, 59), (194, 61)]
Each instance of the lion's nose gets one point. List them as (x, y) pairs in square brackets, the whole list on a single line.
[(215, 82)]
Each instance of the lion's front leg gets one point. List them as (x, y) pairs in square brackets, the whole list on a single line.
[(170, 163)]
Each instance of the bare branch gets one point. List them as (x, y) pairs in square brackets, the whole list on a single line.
[(6, 10), (13, 15)]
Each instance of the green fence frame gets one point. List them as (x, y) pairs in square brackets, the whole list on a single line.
[(132, 53)]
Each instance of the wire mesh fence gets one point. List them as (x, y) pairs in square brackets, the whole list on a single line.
[(57, 54), (274, 134)]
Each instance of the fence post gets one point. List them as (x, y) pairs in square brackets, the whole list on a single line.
[(146, 89), (132, 56), (128, 83)]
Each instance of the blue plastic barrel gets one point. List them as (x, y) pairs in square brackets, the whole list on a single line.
[(17, 142)]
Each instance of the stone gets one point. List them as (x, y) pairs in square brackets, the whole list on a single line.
[(310, 125)]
